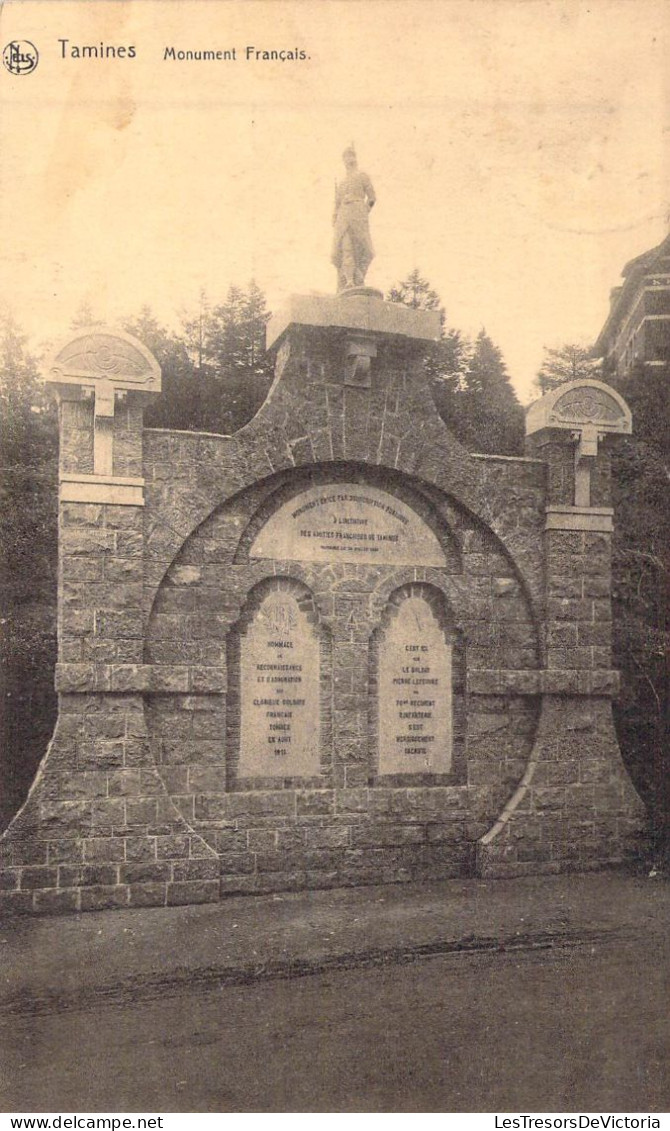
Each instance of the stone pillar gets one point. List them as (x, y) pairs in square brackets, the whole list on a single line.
[(98, 829), (576, 806), (103, 381)]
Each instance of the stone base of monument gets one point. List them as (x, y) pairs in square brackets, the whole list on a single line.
[(334, 648), (356, 309), (351, 292)]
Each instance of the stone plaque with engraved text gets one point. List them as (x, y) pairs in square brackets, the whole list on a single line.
[(414, 690), (348, 523), (279, 692)]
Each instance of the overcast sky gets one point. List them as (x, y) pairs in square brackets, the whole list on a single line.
[(519, 151)]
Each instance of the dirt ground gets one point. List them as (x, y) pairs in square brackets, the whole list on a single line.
[(443, 998)]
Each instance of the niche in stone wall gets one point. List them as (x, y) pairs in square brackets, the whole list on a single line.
[(417, 683), (279, 669)]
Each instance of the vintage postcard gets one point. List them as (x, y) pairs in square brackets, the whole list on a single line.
[(334, 369)]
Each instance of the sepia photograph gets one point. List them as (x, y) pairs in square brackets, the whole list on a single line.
[(334, 561)]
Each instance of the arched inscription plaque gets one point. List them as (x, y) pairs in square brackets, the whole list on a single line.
[(414, 693), (279, 692), (348, 522)]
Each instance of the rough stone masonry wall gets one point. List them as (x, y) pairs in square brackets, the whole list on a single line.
[(136, 801), (346, 826), (576, 806), (98, 829)]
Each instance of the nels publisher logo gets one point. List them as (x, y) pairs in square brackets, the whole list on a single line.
[(20, 57)]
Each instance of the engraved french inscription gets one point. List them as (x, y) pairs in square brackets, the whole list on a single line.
[(414, 689), (279, 692), (348, 523)]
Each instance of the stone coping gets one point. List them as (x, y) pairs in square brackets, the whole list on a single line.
[(594, 520), (210, 680), (549, 681), (138, 678), (362, 312), (507, 459), (117, 490)]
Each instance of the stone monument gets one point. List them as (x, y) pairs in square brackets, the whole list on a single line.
[(333, 648)]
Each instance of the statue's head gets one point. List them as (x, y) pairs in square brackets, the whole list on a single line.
[(349, 157)]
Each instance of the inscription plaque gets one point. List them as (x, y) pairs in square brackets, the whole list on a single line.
[(279, 692), (348, 522), (414, 690)]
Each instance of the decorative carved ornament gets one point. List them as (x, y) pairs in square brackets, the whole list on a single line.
[(279, 618), (103, 363), (579, 405), (589, 411), (99, 354), (586, 405)]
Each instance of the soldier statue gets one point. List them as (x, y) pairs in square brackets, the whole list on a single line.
[(352, 247)]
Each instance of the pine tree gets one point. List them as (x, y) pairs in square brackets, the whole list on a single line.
[(216, 372), (255, 316), (446, 359), (239, 370), (569, 362), (469, 383), (84, 316), (415, 291), (224, 345), (235, 334), (195, 330), (180, 404), (494, 417)]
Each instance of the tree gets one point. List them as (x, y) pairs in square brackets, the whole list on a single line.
[(469, 383), (194, 331), (216, 369), (446, 359), (568, 362), (494, 417), (415, 291), (84, 316), (235, 352), (181, 402), (28, 566)]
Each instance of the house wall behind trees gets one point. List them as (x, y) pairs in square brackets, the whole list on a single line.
[(641, 589)]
